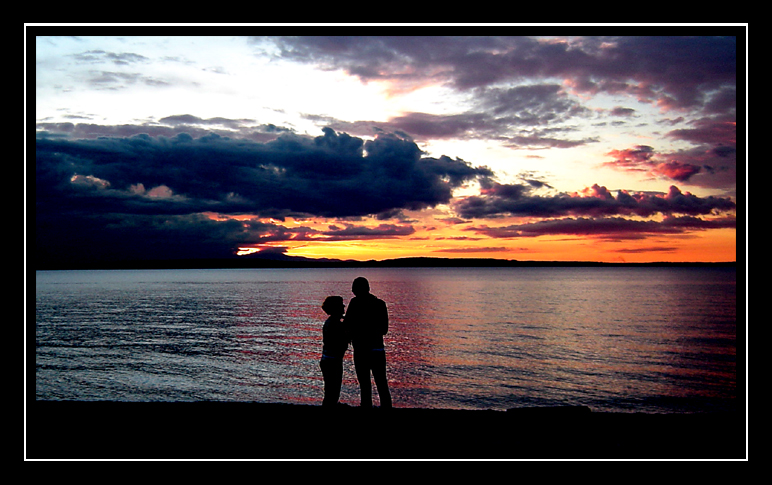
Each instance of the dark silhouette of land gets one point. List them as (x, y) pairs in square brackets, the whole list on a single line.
[(220, 430), (283, 261)]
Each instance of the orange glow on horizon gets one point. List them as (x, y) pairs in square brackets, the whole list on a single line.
[(435, 234), (717, 246)]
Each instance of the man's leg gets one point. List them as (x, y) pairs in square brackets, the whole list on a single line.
[(379, 375), (362, 367)]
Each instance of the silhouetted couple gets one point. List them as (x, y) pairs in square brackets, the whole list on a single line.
[(364, 325)]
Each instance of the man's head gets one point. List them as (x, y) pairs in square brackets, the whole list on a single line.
[(360, 287)]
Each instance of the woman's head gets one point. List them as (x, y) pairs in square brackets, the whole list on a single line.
[(333, 305)]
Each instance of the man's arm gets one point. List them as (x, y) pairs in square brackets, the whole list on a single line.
[(384, 318)]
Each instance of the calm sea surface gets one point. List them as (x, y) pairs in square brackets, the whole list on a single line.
[(655, 340)]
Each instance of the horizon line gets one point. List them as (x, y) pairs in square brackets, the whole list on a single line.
[(304, 262)]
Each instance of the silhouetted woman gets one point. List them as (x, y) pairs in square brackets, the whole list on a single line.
[(334, 345)]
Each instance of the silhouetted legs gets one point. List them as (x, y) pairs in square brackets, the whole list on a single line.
[(375, 362), (332, 370)]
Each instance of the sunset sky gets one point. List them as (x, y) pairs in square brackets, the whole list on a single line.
[(524, 146)]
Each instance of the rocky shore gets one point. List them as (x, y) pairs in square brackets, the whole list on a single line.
[(260, 431)]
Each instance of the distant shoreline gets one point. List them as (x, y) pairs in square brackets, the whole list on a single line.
[(416, 262)]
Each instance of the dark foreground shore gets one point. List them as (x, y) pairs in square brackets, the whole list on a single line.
[(216, 430)]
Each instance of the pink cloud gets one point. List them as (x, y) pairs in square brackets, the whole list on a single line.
[(643, 158)]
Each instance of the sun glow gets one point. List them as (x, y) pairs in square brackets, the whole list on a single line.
[(438, 234), (247, 251)]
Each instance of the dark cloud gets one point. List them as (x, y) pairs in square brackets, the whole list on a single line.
[(714, 131), (113, 80), (529, 105), (470, 250), (426, 125), (188, 120), (532, 116), (145, 195), (539, 139), (170, 127), (623, 112), (497, 200), (672, 71), (613, 228), (382, 231)]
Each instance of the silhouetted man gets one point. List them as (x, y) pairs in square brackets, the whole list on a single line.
[(367, 321)]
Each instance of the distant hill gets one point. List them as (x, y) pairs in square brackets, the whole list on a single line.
[(284, 261)]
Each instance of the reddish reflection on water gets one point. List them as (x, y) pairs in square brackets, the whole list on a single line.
[(459, 338)]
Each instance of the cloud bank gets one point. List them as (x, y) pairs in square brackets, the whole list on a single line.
[(155, 189), (497, 200), (670, 71)]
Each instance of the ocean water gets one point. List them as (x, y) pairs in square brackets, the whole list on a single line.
[(615, 339)]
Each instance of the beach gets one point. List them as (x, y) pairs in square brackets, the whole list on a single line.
[(265, 431)]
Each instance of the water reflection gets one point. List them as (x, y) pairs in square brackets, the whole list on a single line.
[(458, 337)]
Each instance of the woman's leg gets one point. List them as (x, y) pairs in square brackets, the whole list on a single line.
[(332, 371)]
